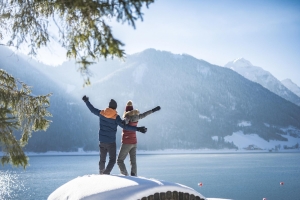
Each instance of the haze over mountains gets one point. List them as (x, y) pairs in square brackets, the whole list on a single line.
[(69, 130), (203, 105)]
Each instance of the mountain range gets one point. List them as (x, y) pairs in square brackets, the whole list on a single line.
[(201, 104)]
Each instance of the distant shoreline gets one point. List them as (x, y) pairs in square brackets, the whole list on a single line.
[(163, 152)]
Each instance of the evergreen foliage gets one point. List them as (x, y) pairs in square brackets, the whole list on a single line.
[(19, 110), (82, 26)]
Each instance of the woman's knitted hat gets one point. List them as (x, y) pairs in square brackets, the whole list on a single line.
[(129, 106)]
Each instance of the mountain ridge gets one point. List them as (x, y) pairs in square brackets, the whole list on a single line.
[(264, 78), (288, 83)]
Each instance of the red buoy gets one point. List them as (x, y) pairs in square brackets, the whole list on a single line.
[(200, 184), (281, 183), (264, 198)]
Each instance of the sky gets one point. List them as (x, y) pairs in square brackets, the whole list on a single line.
[(264, 32)]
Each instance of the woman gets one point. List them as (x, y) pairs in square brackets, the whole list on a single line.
[(129, 140)]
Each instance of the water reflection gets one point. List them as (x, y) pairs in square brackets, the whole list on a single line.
[(11, 186)]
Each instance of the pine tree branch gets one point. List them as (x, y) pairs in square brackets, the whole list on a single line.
[(19, 111)]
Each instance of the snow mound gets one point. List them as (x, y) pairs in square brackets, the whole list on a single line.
[(115, 187)]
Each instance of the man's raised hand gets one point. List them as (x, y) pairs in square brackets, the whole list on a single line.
[(85, 98)]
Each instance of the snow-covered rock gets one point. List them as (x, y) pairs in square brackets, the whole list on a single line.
[(115, 187)]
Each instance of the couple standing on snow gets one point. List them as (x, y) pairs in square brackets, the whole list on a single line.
[(109, 121)]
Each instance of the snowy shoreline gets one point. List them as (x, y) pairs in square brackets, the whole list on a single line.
[(162, 152)]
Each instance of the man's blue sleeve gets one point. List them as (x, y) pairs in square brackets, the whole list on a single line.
[(92, 109), (126, 127)]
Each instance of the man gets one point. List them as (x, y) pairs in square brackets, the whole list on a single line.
[(109, 121)]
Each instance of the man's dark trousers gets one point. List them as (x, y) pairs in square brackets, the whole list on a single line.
[(111, 149)]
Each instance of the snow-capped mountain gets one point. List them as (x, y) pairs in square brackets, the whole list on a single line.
[(288, 83), (264, 78)]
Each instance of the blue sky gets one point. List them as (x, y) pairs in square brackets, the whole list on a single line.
[(265, 32)]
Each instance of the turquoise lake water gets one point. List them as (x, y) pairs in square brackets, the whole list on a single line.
[(247, 176)]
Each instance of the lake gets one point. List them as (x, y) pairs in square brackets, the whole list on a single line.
[(241, 176)]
